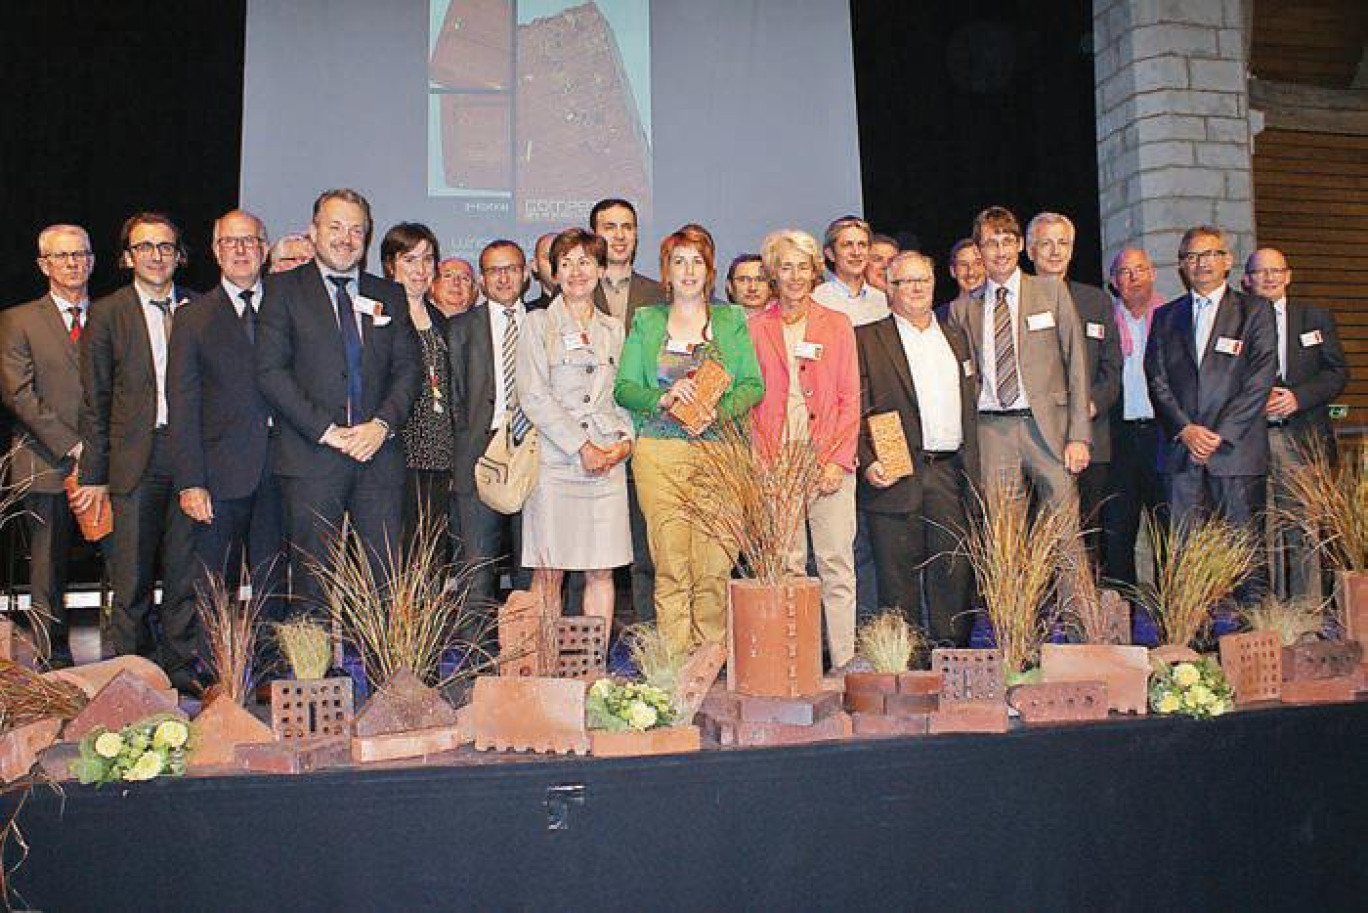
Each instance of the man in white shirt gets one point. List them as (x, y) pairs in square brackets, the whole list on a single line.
[(846, 249)]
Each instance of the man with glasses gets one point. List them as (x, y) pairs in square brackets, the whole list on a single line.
[(40, 382), (1211, 364), (747, 283), (482, 345), (453, 289), (337, 361), (128, 452), (1312, 371), (221, 426)]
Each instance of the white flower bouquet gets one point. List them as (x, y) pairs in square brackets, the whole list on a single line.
[(1198, 690), (621, 706), (149, 748)]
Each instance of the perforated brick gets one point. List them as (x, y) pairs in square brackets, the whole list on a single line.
[(1125, 670), (312, 708), (582, 647), (1060, 702), (969, 675), (1253, 665)]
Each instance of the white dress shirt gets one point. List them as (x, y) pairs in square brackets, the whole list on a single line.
[(235, 296), (64, 309), (1204, 309), (865, 306), (988, 397), (935, 376), (156, 335), (498, 322), (353, 291), (1280, 316)]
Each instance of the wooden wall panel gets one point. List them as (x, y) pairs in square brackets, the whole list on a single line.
[(1309, 42)]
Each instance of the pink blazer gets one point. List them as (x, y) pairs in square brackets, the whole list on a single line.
[(831, 384)]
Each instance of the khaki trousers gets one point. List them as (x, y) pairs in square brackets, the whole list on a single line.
[(831, 523), (691, 567)]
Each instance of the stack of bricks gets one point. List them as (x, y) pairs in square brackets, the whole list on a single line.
[(731, 719), (887, 704), (1173, 125)]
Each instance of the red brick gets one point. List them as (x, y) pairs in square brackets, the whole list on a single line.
[(1320, 690), (220, 728), (970, 675), (871, 683), (1252, 663), (91, 677), (970, 716), (20, 747), (414, 743), (1323, 659), (921, 682), (1060, 702), (308, 709), (666, 740), (126, 699), (530, 714), (719, 702), (795, 711), (866, 702), (295, 756), (697, 679), (55, 761), (836, 726), (875, 724), (1125, 669), (911, 704)]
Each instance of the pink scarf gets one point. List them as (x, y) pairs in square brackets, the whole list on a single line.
[(1123, 328)]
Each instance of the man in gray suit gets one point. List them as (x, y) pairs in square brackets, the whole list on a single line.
[(1029, 350), (40, 381), (1050, 245)]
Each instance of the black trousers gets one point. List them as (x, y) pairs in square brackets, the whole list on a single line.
[(147, 521), (1133, 488), (489, 539), (1195, 493), (1092, 495), (315, 508), (917, 555), (250, 532), (427, 499)]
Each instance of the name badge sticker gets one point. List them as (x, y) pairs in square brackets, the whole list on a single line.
[(372, 308), (575, 341), (1312, 338), (1042, 321), (1227, 346), (1096, 330), (812, 351), (675, 347), (968, 365)]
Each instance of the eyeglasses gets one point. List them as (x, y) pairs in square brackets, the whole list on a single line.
[(1269, 272), (511, 269), (914, 282), (146, 248), (458, 278), (68, 256), (1133, 272), (1200, 256), (249, 242), (994, 244)]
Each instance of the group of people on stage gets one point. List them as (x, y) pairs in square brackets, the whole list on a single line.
[(242, 426)]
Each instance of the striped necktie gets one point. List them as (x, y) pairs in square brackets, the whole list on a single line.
[(517, 420), (1005, 369)]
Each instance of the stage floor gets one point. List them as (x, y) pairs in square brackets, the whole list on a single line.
[(1258, 810)]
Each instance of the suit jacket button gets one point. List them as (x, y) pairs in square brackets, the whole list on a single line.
[(584, 425), (589, 370), (586, 397)]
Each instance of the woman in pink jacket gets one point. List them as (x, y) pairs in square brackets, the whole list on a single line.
[(812, 395)]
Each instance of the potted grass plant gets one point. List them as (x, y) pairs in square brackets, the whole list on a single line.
[(886, 644), (754, 503)]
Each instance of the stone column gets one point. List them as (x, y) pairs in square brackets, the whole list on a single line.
[(1173, 126)]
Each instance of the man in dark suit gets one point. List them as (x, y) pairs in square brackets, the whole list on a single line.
[(620, 293), (911, 365), (1211, 364), (1050, 245), (1029, 351), (1312, 371), (127, 448), (482, 345), (541, 269), (337, 361), (220, 425), (40, 380)]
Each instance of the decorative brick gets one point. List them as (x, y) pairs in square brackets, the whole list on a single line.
[(308, 709), (911, 704), (20, 747), (1252, 664), (876, 725), (775, 637), (1352, 594), (921, 682), (1060, 702), (1320, 691), (220, 728), (91, 677), (126, 699), (582, 647), (794, 711), (523, 632), (1124, 670), (1323, 659), (413, 743), (296, 756), (970, 716), (969, 675), (866, 702), (697, 678), (530, 714), (836, 726), (665, 740), (403, 704)]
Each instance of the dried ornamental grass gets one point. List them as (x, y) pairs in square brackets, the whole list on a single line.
[(1083, 606), (307, 647), (753, 505), (1016, 561), (1332, 505), (1197, 565), (889, 642), (1294, 620), (654, 656), (230, 632), (26, 696)]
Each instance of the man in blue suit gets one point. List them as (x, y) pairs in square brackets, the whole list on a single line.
[(1211, 364)]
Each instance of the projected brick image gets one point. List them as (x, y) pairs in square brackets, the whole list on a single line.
[(579, 136), (541, 111)]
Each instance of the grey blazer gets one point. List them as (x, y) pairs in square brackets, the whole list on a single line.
[(1105, 361), (40, 382), (1052, 358)]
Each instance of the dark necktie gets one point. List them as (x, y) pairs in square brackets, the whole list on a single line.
[(74, 334), (517, 420), (164, 305), (351, 347), (248, 315), (1005, 370)]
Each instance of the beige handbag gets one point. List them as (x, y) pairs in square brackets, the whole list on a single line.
[(507, 472)]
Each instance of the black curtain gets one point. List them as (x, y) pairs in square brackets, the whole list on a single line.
[(966, 104), (114, 107)]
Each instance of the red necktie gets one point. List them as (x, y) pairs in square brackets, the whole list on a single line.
[(74, 334)]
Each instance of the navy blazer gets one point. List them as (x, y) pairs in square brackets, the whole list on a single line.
[(1229, 393), (1317, 371), (302, 371), (218, 415)]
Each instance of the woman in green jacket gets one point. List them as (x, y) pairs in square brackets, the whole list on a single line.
[(667, 343)]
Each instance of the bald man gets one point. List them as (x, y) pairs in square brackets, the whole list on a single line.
[(1312, 371), (453, 289)]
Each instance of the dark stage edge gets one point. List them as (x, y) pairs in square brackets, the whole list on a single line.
[(1259, 810)]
